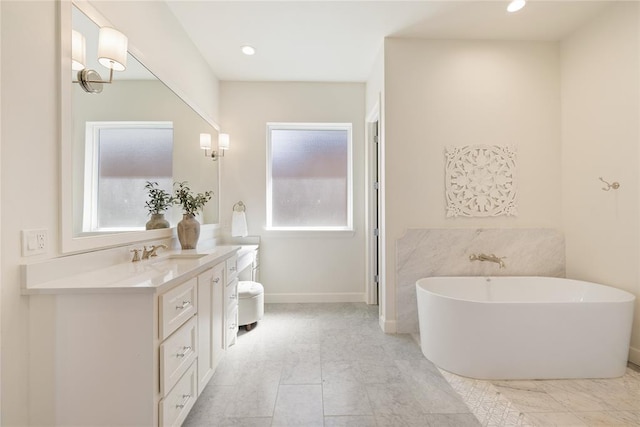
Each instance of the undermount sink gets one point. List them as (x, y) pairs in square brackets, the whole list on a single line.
[(177, 257)]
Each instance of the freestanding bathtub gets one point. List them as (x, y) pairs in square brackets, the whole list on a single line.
[(524, 327)]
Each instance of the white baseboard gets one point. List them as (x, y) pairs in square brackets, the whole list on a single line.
[(388, 326), (302, 298), (634, 355)]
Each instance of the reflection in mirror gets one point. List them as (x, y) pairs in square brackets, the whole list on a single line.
[(120, 157), (135, 130)]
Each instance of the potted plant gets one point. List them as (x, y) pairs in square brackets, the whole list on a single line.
[(189, 227), (159, 201)]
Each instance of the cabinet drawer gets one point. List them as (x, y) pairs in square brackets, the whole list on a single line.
[(177, 306), (231, 327), (232, 268), (176, 355), (176, 406), (231, 295)]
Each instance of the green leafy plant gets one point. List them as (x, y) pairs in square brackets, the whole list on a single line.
[(159, 199), (191, 203)]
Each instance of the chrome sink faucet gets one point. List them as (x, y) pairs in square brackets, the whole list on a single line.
[(149, 253), (491, 258)]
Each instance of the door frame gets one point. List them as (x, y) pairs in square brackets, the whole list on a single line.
[(374, 290)]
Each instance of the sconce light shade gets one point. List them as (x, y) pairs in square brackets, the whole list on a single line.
[(78, 51), (223, 141), (112, 49), (205, 141)]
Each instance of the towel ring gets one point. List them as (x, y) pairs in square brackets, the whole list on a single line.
[(239, 207)]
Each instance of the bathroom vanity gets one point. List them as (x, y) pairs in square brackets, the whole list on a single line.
[(133, 343)]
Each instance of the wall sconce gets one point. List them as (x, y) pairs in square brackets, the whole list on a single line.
[(112, 53), (223, 144)]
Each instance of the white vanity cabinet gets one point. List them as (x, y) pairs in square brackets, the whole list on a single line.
[(130, 353), (210, 322)]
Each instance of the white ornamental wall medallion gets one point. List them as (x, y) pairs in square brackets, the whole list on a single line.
[(480, 180)]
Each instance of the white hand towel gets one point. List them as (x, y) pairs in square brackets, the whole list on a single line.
[(239, 224)]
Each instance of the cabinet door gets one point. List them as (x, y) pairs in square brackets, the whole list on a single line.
[(209, 323), (205, 355), (218, 306)]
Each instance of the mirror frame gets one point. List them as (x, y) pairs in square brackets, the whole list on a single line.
[(69, 242)]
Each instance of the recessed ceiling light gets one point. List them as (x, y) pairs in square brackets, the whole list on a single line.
[(516, 5), (248, 50)]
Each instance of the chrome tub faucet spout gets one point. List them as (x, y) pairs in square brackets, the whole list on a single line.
[(490, 257)]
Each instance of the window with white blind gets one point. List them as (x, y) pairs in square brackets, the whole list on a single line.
[(309, 182)]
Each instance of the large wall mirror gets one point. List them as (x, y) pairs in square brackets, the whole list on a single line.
[(136, 130)]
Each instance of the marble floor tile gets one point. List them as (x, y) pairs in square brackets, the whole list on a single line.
[(552, 419), (253, 400), (452, 420), (301, 373), (350, 421), (531, 400), (246, 422), (394, 399), (345, 398), (299, 405), (315, 364), (338, 371), (612, 418)]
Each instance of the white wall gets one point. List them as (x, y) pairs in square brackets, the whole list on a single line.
[(440, 93), (294, 267), (30, 167), (600, 137)]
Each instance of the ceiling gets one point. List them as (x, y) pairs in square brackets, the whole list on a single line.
[(340, 40)]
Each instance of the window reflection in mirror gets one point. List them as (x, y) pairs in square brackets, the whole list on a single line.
[(120, 157), (135, 95)]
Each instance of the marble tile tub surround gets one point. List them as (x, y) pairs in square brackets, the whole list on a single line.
[(445, 252), (327, 365)]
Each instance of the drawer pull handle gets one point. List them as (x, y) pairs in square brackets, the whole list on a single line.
[(232, 268), (184, 305), (186, 398), (216, 280), (184, 353)]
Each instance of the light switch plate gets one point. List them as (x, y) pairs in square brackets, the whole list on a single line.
[(35, 241)]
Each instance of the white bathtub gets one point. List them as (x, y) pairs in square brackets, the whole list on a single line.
[(524, 327)]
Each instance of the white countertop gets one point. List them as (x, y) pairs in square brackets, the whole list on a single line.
[(168, 268)]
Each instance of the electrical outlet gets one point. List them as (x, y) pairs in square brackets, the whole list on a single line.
[(34, 242)]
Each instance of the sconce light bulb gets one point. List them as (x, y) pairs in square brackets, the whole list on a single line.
[(205, 141), (78, 51), (516, 5), (112, 49), (248, 50), (223, 141)]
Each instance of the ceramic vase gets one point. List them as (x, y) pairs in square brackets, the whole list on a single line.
[(157, 221), (188, 231)]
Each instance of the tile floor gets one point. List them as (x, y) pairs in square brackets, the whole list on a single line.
[(327, 365), (330, 365), (599, 402)]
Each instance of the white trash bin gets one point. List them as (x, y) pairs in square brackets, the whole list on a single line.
[(250, 303)]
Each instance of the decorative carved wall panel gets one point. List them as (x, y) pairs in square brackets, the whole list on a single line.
[(480, 181)]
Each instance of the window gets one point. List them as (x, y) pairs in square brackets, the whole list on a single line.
[(309, 176), (119, 158)]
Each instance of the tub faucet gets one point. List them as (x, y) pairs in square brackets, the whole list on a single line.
[(149, 253), (491, 257)]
